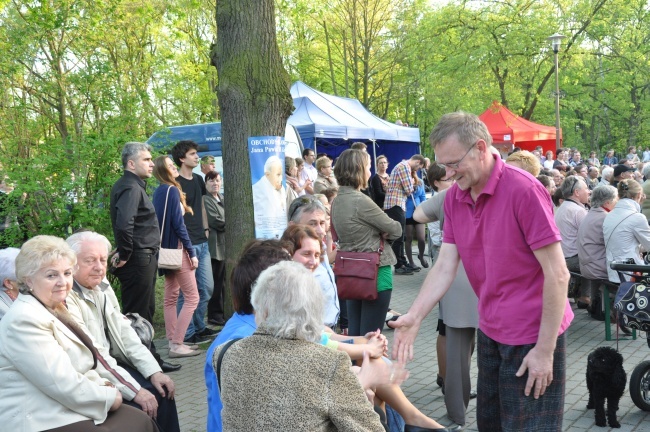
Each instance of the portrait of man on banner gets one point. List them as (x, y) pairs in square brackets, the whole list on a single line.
[(269, 193)]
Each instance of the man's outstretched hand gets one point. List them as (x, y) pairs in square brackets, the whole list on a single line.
[(406, 330)]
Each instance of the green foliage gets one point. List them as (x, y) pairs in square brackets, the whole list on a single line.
[(79, 77), (57, 194)]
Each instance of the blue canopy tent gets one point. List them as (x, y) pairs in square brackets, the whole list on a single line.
[(330, 124)]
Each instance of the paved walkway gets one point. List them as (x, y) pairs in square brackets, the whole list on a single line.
[(585, 334)]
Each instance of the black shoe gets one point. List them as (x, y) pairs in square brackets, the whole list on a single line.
[(208, 332), (472, 394), (440, 381), (196, 339), (413, 268), (169, 367), (403, 271), (411, 428), (217, 322), (423, 261)]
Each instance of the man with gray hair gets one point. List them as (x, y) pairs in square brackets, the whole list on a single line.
[(132, 369), (568, 218), (307, 210), (137, 236), (523, 309), (207, 165), (606, 175)]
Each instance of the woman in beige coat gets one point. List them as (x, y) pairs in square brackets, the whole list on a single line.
[(47, 362)]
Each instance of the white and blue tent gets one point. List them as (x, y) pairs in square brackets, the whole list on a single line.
[(330, 124)]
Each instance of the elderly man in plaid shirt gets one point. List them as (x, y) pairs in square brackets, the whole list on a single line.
[(400, 186)]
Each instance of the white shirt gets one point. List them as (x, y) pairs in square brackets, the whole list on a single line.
[(325, 277)]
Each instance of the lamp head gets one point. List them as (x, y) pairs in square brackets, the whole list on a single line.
[(556, 40)]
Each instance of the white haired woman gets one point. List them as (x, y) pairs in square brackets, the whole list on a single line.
[(47, 362), (283, 360), (625, 229), (9, 290)]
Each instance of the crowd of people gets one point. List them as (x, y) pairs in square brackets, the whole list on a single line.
[(322, 363)]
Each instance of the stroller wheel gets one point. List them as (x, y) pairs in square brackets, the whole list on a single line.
[(640, 385)]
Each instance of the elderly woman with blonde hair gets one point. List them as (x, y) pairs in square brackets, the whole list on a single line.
[(283, 360), (47, 362), (526, 161)]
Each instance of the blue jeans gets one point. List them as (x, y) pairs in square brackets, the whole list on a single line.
[(205, 285)]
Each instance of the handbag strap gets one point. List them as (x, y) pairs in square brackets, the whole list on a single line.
[(220, 359), (164, 215), (335, 236)]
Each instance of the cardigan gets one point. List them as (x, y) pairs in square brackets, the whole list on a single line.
[(174, 226)]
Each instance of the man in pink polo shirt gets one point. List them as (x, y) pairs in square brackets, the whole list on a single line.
[(499, 222)]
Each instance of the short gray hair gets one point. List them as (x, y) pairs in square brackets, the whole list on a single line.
[(304, 204), (601, 194), (75, 241), (132, 149), (570, 185), (8, 264), (467, 126), (38, 252), (607, 173), (288, 302)]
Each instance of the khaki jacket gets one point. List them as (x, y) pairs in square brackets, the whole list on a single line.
[(359, 222)]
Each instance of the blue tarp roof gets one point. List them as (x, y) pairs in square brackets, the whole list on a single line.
[(319, 115)]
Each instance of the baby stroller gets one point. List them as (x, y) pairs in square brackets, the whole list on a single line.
[(633, 306)]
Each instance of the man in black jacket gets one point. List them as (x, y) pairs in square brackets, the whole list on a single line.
[(137, 236)]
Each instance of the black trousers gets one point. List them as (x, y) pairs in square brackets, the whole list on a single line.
[(126, 418), (215, 305), (138, 285), (167, 416), (397, 213), (368, 315)]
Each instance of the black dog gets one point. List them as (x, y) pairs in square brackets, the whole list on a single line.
[(605, 380)]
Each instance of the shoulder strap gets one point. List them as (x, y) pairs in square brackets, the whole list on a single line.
[(220, 358), (612, 233), (162, 228)]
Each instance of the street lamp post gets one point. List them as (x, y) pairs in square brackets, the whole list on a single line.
[(556, 40)]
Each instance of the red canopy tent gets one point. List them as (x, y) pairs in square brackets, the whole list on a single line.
[(509, 130)]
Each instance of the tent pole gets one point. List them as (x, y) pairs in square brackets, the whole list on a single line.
[(374, 154), (315, 147)]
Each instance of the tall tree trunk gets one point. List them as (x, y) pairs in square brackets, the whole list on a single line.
[(254, 100), (329, 58)]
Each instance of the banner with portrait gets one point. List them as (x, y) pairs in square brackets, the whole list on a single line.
[(266, 155)]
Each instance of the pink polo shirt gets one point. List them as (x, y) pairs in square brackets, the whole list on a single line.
[(496, 237)]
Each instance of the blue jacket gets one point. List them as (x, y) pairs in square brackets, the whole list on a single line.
[(238, 326), (414, 200), (174, 228)]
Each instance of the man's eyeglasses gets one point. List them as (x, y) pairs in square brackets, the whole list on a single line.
[(576, 181), (299, 202), (456, 165)]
